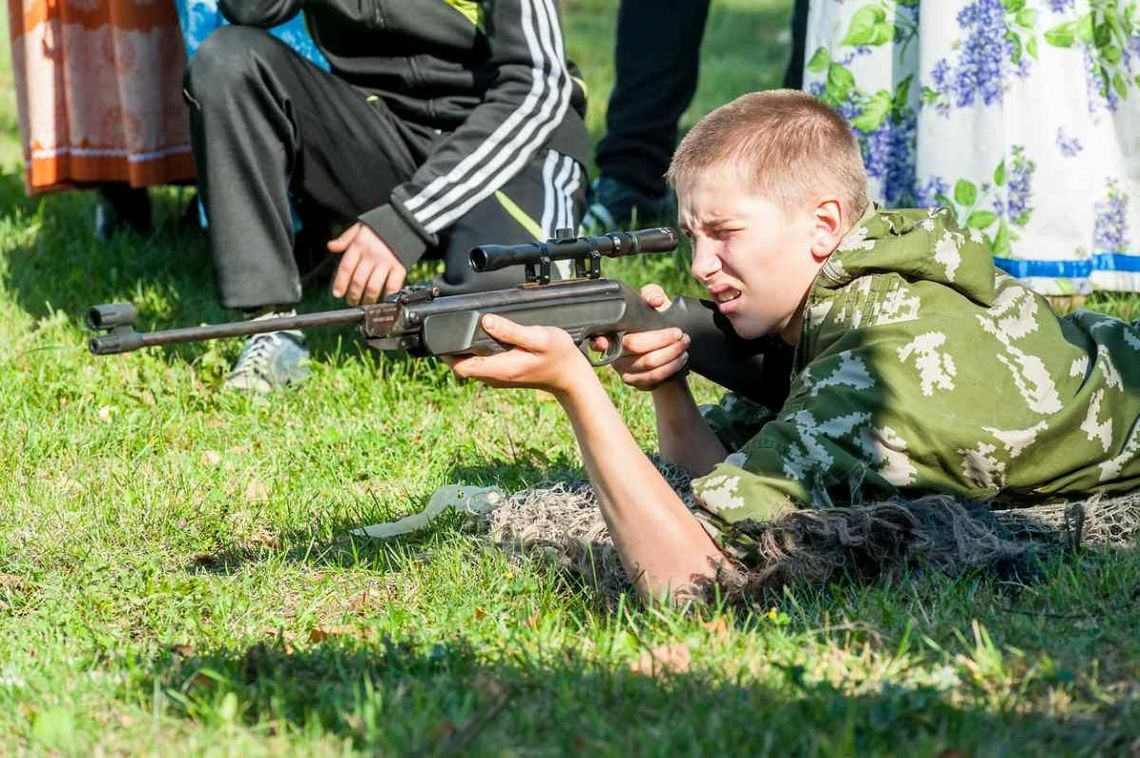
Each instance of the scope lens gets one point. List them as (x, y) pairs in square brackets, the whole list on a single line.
[(478, 258)]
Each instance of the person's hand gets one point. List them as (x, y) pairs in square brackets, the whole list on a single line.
[(368, 268), (542, 357), (650, 358)]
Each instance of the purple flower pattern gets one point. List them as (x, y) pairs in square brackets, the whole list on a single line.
[(1110, 229), (1019, 178), (888, 153), (987, 59), (929, 193), (1069, 146)]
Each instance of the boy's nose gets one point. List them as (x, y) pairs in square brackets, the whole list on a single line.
[(705, 262)]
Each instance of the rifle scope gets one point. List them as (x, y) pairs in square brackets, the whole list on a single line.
[(610, 245)]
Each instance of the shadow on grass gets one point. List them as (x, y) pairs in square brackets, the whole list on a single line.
[(440, 696), (342, 549)]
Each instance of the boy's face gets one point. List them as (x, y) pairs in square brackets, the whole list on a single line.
[(756, 260)]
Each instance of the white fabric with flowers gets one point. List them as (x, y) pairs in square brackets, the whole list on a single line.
[(1022, 116)]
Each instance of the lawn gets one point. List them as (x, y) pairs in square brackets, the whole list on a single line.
[(176, 571)]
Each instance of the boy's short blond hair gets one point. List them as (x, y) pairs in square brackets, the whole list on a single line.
[(787, 144)]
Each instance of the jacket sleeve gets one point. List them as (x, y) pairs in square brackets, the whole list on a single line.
[(526, 101), (831, 444), (260, 13)]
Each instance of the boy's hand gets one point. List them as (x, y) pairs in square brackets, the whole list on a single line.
[(368, 269), (650, 358), (544, 358)]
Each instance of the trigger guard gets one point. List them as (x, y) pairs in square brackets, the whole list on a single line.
[(613, 352)]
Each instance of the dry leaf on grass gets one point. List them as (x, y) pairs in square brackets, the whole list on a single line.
[(360, 603), (210, 458), (263, 538), (532, 620), (663, 659), (718, 627), (12, 582), (256, 492), (322, 633)]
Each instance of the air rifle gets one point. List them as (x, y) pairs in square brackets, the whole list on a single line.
[(423, 322)]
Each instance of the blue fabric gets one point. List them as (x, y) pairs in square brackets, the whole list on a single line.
[(199, 18), (1070, 269)]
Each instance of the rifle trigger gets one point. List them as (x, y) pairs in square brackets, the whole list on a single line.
[(613, 352)]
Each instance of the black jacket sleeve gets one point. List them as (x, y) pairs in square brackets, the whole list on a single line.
[(528, 99)]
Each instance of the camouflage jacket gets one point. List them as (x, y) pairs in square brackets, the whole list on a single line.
[(922, 368)]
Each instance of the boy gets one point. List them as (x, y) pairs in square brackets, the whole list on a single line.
[(439, 126), (919, 367)]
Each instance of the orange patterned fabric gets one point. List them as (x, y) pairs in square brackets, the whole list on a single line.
[(99, 90)]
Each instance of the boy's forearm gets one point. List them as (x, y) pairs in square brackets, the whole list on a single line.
[(683, 436), (659, 541)]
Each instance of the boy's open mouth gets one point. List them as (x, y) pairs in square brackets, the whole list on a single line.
[(724, 294)]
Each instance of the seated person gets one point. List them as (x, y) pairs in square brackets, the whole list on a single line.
[(919, 367), (439, 126)]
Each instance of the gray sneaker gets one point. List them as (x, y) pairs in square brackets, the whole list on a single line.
[(269, 361)]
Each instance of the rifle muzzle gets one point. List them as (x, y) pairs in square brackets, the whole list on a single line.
[(110, 315), (109, 344)]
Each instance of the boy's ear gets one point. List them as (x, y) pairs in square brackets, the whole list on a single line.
[(828, 225)]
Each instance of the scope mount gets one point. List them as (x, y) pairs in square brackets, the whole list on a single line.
[(586, 267)]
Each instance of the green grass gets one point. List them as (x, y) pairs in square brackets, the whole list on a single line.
[(176, 576)]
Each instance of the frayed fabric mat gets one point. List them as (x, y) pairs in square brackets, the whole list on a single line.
[(561, 522)]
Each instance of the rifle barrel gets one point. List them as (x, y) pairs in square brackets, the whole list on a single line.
[(126, 341)]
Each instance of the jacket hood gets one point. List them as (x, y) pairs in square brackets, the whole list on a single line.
[(925, 245)]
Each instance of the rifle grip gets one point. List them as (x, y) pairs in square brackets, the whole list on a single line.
[(758, 369)]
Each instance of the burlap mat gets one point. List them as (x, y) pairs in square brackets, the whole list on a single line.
[(560, 522)]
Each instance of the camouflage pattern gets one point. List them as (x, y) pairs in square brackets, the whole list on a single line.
[(923, 368)]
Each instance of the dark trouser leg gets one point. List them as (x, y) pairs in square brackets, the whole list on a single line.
[(657, 57), (548, 194), (265, 121), (794, 76)]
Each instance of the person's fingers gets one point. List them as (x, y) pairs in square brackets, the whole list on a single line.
[(655, 296), (653, 360), (376, 286), (359, 280), (341, 243), (600, 343), (499, 370), (344, 271), (397, 275), (650, 379), (464, 366), (530, 338), (639, 343)]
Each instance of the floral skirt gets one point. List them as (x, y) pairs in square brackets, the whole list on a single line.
[(1023, 116), (99, 92)]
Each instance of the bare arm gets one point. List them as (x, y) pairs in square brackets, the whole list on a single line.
[(683, 436), (660, 542)]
